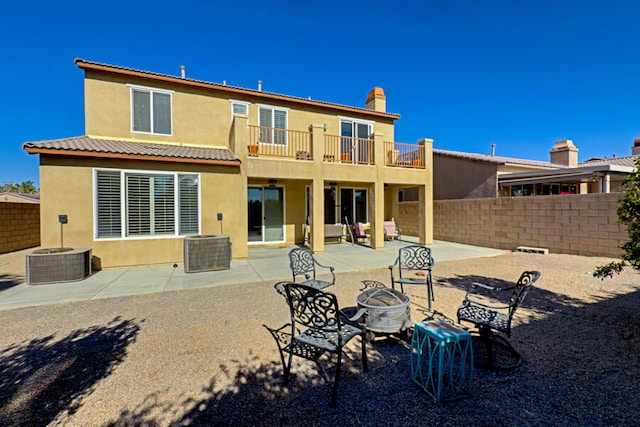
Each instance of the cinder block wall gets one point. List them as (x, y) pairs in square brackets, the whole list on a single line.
[(19, 226), (406, 221), (585, 224)]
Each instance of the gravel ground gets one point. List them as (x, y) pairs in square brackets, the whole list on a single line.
[(202, 357)]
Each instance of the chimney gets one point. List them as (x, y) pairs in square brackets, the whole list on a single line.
[(493, 150), (564, 153), (635, 150), (376, 100), (259, 85), (183, 71)]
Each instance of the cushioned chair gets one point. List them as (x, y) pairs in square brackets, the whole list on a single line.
[(391, 231), (302, 263), (358, 232), (317, 326), (413, 259), (489, 316)]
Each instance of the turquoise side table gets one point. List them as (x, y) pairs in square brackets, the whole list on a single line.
[(442, 360)]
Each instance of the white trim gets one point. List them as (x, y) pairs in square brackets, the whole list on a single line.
[(154, 89), (245, 103), (262, 226), (123, 204), (351, 119), (273, 107)]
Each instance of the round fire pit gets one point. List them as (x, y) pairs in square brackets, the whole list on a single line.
[(388, 310)]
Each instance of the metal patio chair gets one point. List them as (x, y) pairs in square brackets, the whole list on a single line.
[(302, 263), (317, 327), (413, 259), (476, 309)]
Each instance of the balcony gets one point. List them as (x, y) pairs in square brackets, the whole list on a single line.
[(404, 155), (345, 149), (283, 143), (291, 144)]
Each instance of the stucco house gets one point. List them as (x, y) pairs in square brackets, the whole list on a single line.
[(468, 175), (164, 157)]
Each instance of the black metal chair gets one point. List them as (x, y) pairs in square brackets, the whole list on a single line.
[(317, 326), (413, 259), (302, 263), (490, 317)]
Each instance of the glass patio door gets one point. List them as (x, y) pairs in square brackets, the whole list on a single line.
[(355, 141), (353, 205), (266, 214)]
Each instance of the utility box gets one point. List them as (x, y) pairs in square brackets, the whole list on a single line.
[(207, 253)]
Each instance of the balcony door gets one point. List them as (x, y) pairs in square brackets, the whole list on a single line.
[(355, 141), (266, 214)]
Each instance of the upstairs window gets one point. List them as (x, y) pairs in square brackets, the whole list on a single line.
[(273, 125), (151, 111), (239, 107)]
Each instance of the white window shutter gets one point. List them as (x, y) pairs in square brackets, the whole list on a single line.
[(108, 204)]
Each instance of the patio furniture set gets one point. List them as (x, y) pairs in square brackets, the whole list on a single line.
[(442, 351)]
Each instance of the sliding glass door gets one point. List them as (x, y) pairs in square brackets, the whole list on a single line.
[(266, 214)]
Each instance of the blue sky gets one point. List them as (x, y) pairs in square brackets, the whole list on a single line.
[(518, 74)]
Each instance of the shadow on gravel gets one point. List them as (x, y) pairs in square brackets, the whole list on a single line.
[(581, 367), (45, 377), (8, 281), (537, 299)]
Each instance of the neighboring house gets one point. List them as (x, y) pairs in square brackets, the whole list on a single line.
[(19, 197), (468, 175), (165, 157)]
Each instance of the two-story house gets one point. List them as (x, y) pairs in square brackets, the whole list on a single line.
[(164, 157)]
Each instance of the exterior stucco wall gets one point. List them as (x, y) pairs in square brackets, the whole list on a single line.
[(67, 188), (585, 224), (200, 117), (463, 179)]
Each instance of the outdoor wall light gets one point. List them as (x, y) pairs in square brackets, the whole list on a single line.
[(272, 183)]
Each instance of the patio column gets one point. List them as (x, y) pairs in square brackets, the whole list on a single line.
[(376, 194), (316, 220), (240, 137), (426, 195), (606, 184), (376, 214), (239, 140)]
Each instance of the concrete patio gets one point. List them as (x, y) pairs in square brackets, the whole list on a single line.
[(263, 264)]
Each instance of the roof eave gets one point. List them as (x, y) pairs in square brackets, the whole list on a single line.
[(86, 65), (75, 153)]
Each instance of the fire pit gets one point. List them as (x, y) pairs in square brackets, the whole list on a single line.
[(388, 310)]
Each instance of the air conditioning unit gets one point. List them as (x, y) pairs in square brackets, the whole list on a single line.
[(58, 265), (207, 253)]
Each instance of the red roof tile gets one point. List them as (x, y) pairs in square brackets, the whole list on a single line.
[(112, 148)]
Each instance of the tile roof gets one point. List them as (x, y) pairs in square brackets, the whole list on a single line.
[(84, 64), (497, 159), (112, 148), (619, 161)]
